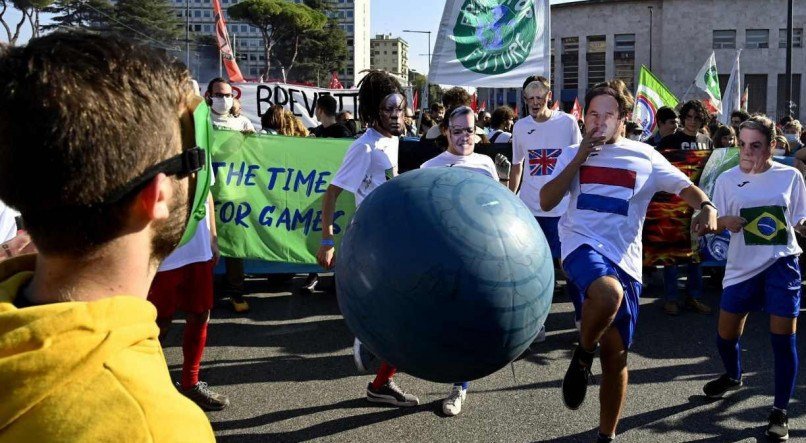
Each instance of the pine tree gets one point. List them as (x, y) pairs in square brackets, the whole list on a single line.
[(87, 14), (148, 20)]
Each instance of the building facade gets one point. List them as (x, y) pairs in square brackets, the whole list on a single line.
[(353, 17), (390, 54), (595, 40)]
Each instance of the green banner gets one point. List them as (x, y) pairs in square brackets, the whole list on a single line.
[(268, 193)]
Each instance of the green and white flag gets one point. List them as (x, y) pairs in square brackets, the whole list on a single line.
[(708, 81), (492, 43), (650, 95)]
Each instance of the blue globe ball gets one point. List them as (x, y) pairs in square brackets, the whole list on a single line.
[(767, 226), (445, 274)]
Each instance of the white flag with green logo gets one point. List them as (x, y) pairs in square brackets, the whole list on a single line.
[(708, 80), (492, 43)]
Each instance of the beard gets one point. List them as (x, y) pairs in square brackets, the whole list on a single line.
[(168, 233)]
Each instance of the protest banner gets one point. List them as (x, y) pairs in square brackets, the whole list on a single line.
[(492, 44), (256, 98), (268, 194), (666, 235)]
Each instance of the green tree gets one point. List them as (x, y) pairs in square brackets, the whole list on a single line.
[(30, 13), (280, 22), (322, 52), (148, 19), (87, 14)]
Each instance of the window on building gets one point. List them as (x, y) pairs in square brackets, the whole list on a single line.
[(551, 74), (197, 13), (797, 38), (624, 58), (570, 61), (782, 105), (596, 57), (725, 39), (756, 92), (207, 13), (197, 28), (757, 38), (207, 28)]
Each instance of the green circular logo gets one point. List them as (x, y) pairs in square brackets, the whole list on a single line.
[(495, 36)]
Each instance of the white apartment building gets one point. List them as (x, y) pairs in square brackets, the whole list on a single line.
[(390, 54)]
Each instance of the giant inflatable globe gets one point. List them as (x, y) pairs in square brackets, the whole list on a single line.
[(445, 274)]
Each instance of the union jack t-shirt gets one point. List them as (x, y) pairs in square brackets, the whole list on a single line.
[(538, 145)]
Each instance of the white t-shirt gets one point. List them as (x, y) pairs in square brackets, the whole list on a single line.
[(503, 137), (8, 223), (540, 145), (369, 162), (228, 121), (197, 250), (772, 202), (475, 162), (609, 198)]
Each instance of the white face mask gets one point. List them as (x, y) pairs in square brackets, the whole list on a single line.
[(222, 105), (778, 152), (791, 137)]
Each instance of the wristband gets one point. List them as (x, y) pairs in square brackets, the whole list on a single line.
[(707, 203), (328, 242)]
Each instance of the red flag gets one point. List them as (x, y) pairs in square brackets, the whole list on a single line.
[(474, 102), (416, 100), (334, 81), (576, 111), (555, 106), (233, 71)]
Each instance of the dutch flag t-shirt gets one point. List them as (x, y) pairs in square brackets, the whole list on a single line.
[(609, 198)]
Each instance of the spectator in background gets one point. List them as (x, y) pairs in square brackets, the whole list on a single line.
[(298, 129), (272, 120), (633, 131), (346, 118), (221, 101), (737, 118), (484, 121), (667, 123), (425, 124), (411, 125), (687, 138), (325, 112), (437, 111), (792, 132), (724, 137), (501, 123)]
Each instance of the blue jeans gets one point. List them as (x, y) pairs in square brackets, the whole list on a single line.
[(693, 282)]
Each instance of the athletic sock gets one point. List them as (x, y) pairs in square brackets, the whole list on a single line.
[(784, 348), (385, 373), (193, 341), (731, 356)]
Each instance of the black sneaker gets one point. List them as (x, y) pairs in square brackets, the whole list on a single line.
[(721, 386), (604, 438), (391, 394), (204, 397), (778, 429), (575, 382)]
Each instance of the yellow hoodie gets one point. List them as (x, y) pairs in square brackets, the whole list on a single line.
[(86, 371)]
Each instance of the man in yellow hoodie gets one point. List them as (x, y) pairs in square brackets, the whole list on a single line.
[(97, 152)]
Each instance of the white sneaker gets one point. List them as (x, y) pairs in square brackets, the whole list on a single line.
[(541, 335), (452, 405)]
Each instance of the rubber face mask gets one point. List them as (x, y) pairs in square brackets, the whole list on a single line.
[(222, 105)]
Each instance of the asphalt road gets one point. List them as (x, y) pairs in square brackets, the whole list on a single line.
[(288, 370)]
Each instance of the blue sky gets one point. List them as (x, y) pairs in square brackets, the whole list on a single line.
[(388, 17)]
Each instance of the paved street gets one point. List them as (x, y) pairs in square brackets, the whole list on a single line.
[(288, 370)]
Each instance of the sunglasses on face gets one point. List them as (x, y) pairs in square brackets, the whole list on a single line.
[(458, 130)]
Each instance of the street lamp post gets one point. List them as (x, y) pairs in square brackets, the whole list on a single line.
[(427, 89), (650, 37)]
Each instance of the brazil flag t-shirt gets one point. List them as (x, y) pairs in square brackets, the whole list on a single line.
[(771, 203)]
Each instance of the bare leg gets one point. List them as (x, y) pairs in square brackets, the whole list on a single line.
[(614, 381), (599, 309)]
